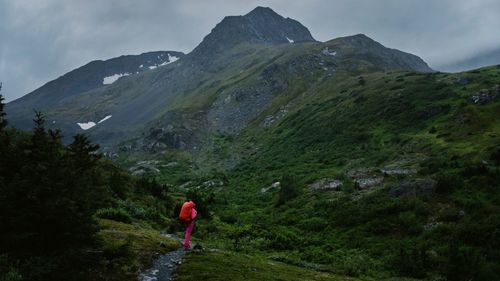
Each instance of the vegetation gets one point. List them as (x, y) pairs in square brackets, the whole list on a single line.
[(233, 266), (434, 218), (416, 156), (128, 248), (50, 197)]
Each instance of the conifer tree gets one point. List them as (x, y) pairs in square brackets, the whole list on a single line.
[(3, 122), (83, 151)]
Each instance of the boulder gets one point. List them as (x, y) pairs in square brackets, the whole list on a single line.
[(366, 178), (328, 52), (398, 171), (326, 184), (485, 96), (212, 183), (417, 187), (368, 182), (142, 167), (171, 164)]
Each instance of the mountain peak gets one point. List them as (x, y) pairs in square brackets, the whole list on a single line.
[(260, 26), (259, 10)]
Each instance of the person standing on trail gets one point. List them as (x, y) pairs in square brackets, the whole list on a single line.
[(188, 215)]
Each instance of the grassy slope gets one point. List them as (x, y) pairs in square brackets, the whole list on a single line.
[(356, 118), (211, 266), (129, 248), (402, 119)]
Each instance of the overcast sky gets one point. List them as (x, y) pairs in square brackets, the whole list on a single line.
[(41, 40)]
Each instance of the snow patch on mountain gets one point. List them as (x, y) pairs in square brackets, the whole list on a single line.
[(90, 124), (170, 60), (111, 79), (104, 119), (290, 40), (86, 126)]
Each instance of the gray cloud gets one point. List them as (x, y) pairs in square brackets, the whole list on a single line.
[(41, 40)]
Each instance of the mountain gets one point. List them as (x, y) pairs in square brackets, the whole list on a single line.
[(93, 75), (246, 64), (343, 156), (260, 26), (483, 59)]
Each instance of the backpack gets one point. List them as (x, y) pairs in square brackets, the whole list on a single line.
[(185, 214)]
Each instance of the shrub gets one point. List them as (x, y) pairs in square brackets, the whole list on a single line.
[(202, 201), (315, 224), (289, 190), (476, 169), (411, 259), (353, 263), (239, 233), (447, 182), (11, 274), (282, 238), (495, 156), (7, 271), (114, 214), (133, 209)]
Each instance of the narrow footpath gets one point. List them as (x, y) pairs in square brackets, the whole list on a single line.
[(165, 265)]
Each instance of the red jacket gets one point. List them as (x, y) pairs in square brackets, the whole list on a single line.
[(188, 211)]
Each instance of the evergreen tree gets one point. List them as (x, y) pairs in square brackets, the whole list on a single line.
[(3, 137), (3, 122), (48, 196), (84, 152)]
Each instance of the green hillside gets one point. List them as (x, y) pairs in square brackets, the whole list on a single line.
[(417, 158), (337, 160)]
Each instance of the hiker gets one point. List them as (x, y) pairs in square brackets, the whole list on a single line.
[(188, 215)]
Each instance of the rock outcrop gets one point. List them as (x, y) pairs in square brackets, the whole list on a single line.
[(326, 184)]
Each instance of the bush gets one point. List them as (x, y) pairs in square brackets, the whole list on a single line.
[(447, 182), (239, 233), (354, 263), (432, 165), (11, 274), (283, 238), (114, 214), (476, 169), (315, 224), (7, 271), (202, 202), (133, 209), (411, 259), (288, 191)]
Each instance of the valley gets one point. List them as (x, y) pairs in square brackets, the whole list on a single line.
[(308, 160)]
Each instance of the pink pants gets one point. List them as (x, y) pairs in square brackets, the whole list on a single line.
[(187, 235)]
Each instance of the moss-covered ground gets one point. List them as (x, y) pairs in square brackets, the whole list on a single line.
[(129, 248), (219, 266)]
